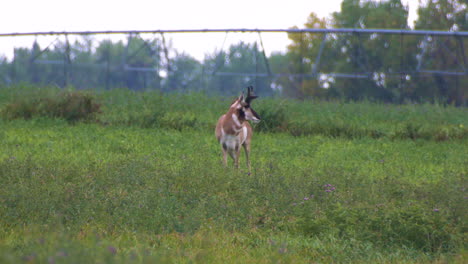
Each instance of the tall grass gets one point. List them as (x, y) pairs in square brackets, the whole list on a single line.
[(197, 111)]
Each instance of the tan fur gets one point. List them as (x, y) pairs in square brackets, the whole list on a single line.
[(232, 133)]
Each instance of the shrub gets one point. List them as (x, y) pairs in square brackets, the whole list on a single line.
[(22, 109), (448, 132), (71, 106), (273, 115), (178, 120)]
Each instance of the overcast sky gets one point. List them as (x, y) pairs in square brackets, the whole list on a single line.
[(92, 15)]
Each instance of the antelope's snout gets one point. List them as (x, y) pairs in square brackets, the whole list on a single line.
[(251, 115)]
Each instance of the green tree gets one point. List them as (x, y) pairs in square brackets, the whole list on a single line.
[(19, 66), (83, 64), (303, 52), (35, 66), (109, 55), (140, 63), (281, 64), (185, 74), (443, 53), (225, 70), (4, 70), (375, 55), (132, 65)]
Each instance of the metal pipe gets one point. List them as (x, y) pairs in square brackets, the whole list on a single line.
[(292, 30)]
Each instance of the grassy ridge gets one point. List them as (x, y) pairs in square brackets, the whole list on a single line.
[(145, 184), (197, 111), (350, 120)]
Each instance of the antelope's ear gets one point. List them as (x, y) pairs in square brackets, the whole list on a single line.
[(241, 97)]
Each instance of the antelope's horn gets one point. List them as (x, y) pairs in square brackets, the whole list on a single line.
[(250, 94), (249, 90)]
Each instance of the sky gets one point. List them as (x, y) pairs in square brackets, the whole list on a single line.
[(95, 15)]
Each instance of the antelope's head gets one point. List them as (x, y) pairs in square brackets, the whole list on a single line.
[(243, 105)]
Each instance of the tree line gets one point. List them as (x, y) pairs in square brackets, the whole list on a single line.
[(389, 68)]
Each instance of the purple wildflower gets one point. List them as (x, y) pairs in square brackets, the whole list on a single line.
[(329, 188), (282, 250), (112, 250)]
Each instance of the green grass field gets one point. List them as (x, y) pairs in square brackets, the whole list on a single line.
[(143, 182)]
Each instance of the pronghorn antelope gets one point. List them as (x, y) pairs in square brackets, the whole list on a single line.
[(233, 130)]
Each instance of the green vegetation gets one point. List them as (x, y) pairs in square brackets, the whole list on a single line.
[(68, 105), (142, 181), (197, 111)]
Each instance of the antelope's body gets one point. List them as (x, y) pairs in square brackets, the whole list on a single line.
[(233, 131)]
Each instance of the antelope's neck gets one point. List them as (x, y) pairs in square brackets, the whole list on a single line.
[(236, 122)]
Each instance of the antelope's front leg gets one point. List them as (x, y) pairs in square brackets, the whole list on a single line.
[(225, 158), (236, 156), (223, 147), (247, 154)]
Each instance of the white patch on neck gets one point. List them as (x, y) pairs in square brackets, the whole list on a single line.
[(246, 132), (236, 120)]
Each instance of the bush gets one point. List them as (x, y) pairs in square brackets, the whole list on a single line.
[(273, 115), (71, 106), (450, 132), (179, 120)]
